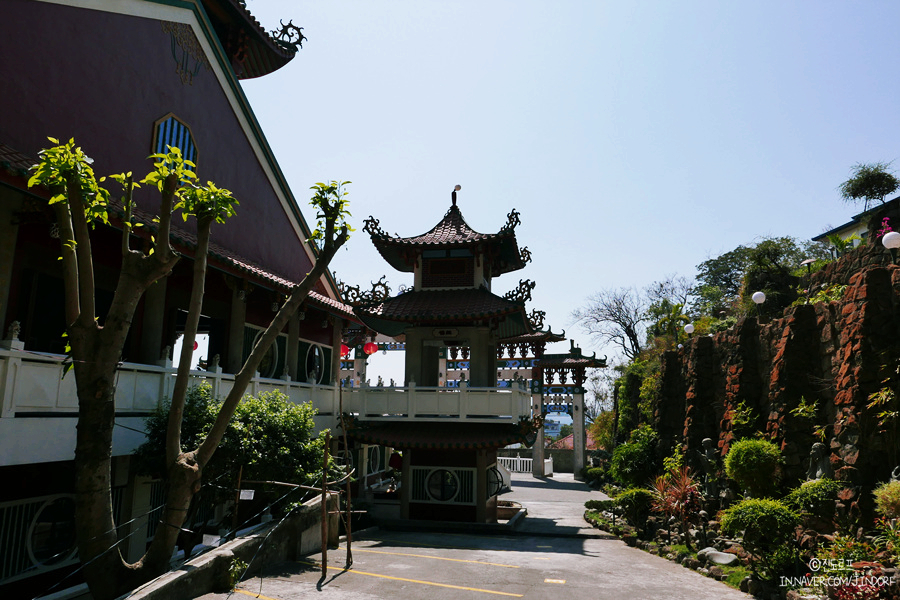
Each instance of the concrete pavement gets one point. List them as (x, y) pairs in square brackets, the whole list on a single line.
[(553, 553)]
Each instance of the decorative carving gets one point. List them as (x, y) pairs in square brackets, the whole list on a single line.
[(525, 255), (536, 318), (522, 293), (373, 227), (512, 220), (185, 48), (290, 37), (354, 296)]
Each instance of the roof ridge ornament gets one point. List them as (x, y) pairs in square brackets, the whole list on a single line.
[(522, 293), (512, 221), (456, 188), (290, 37), (373, 227)]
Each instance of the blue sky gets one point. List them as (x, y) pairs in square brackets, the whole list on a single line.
[(636, 139)]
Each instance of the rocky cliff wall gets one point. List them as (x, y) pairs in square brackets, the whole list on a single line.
[(835, 355)]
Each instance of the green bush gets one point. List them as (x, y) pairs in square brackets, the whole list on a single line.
[(755, 465), (594, 474), (815, 497), (269, 436), (766, 527), (634, 463), (635, 504), (887, 499), (600, 505)]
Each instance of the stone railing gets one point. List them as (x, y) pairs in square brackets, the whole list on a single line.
[(32, 384), (491, 405)]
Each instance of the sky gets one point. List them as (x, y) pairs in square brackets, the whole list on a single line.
[(636, 139)]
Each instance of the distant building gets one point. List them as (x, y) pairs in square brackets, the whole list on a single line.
[(861, 223)]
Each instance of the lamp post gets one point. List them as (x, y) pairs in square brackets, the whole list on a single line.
[(689, 329), (758, 298), (891, 241)]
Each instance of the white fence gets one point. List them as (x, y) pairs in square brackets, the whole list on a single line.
[(32, 383), (518, 464), (437, 404)]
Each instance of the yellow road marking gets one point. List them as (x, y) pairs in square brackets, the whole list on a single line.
[(445, 585), (554, 581), (260, 596), (435, 557), (420, 544)]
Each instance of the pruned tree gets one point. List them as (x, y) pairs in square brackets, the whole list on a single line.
[(81, 203), (867, 182), (615, 316)]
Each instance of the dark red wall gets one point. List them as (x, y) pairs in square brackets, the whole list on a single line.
[(104, 79)]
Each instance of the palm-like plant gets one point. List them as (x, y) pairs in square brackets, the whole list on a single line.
[(677, 494)]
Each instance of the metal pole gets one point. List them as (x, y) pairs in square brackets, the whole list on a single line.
[(325, 505), (347, 519), (237, 502)]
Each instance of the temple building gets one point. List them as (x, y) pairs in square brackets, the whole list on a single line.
[(449, 435)]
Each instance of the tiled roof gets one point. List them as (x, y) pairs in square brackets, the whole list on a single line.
[(261, 52), (452, 232), (246, 266), (452, 229), (426, 305), (568, 442), (14, 161), (569, 360), (450, 436)]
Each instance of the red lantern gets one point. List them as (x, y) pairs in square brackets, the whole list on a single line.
[(345, 350), (370, 348)]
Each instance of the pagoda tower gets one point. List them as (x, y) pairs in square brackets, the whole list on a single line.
[(449, 436)]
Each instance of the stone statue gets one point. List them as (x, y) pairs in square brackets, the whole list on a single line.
[(214, 362), (15, 328), (709, 457), (819, 464)]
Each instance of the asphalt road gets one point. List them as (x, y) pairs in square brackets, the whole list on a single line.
[(554, 555)]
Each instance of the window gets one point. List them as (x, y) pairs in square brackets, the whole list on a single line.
[(171, 131)]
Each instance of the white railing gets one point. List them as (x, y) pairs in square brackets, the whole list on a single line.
[(515, 464), (437, 404), (32, 384)]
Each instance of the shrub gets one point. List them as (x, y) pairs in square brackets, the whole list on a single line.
[(634, 463), (766, 527), (815, 497), (635, 504), (887, 499), (594, 474), (677, 495), (754, 465), (600, 505)]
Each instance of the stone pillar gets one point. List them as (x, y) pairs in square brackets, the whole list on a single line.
[(481, 491), (537, 451), (413, 357), (235, 354), (482, 359), (337, 336), (8, 235), (153, 321), (578, 439), (406, 487), (293, 347)]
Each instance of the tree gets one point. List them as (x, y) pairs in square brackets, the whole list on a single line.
[(81, 203), (565, 431), (868, 182), (617, 316)]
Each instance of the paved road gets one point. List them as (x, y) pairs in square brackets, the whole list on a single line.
[(553, 555)]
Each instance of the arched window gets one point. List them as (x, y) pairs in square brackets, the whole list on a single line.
[(171, 131)]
